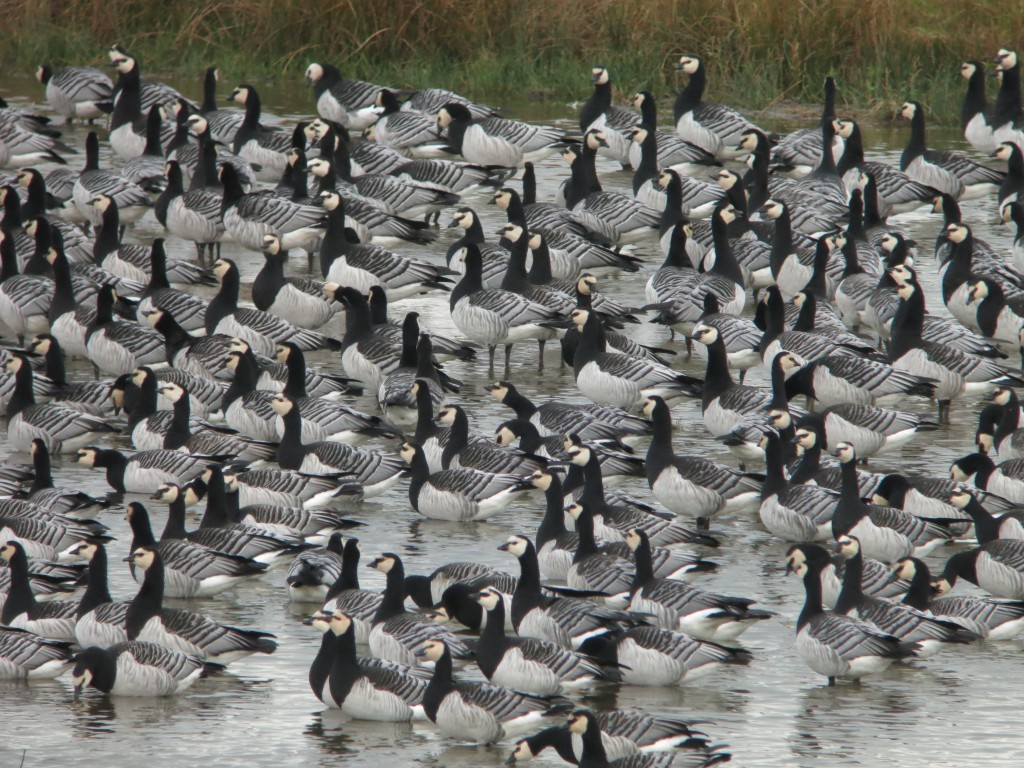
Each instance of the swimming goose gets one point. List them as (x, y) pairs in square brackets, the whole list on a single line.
[(712, 127), (616, 379), (63, 427), (494, 316), (832, 644), (148, 620), (312, 573), (407, 131), (884, 533), (949, 172), (262, 330), (190, 570), (689, 485), (996, 315), (350, 103), (120, 347), (295, 299), (651, 149), (991, 618), (147, 169), (527, 664), (25, 141), (598, 113), (224, 124), (878, 579), (250, 217), (496, 140), (397, 634), (458, 494), (566, 621), (360, 605), (792, 511), (363, 688), (1005, 481), (282, 488), (132, 200), (617, 218), (799, 152), (195, 215), (205, 395), (253, 142), (900, 620), (43, 493), (374, 471), (395, 395), (135, 669), (868, 428), (590, 422), (462, 452), (81, 93), (680, 607), (142, 472), (99, 620), (53, 619), (27, 656), (997, 567)]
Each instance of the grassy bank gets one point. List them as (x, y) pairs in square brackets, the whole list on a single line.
[(758, 54)]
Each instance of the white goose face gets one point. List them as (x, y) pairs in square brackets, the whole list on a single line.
[(1003, 151), (271, 244), (504, 436), (638, 134), (889, 243), (238, 345), (960, 498), (7, 552), (516, 545), (172, 392), (86, 457), (806, 438), (85, 550), (233, 360), (779, 420), (521, 752), (446, 416), (579, 318), (726, 179), (579, 455), (837, 241), (799, 299), (536, 241), (340, 623), (488, 598), (587, 284), (464, 218), (688, 64), (599, 75), (197, 125), (502, 199), (728, 214), (167, 493), (320, 168), (596, 139), (512, 231), (569, 155), (748, 141), (967, 70), (977, 292), (844, 452), (541, 480), (444, 118), (384, 563), (907, 111), (638, 100), (1007, 59), (664, 179), (282, 353), (124, 64), (221, 267), (578, 722), (139, 376), (320, 621), (1001, 396), (791, 361), (848, 546), (941, 587), (796, 561), (773, 209), (143, 558), (905, 569), (240, 95), (313, 73), (957, 233), (282, 404), (370, 132), (904, 290), (14, 364), (632, 539), (648, 407), (705, 334), (432, 650), (498, 390), (407, 452), (102, 203), (574, 511), (843, 128)]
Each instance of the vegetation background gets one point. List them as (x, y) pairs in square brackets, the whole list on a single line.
[(759, 52)]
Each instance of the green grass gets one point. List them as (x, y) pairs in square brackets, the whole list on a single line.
[(882, 51)]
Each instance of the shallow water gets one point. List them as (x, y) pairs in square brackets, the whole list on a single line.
[(953, 709)]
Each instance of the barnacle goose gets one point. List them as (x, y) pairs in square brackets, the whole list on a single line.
[(610, 378), (25, 300), (409, 132), (974, 114), (118, 347), (351, 103), (132, 200), (298, 300), (77, 93), (1005, 114), (250, 217), (650, 148), (950, 172), (142, 472), (713, 127), (267, 149), (195, 215), (190, 570), (53, 619), (479, 712), (135, 669), (462, 452), (202, 356), (274, 486), (458, 494), (147, 620), (147, 170), (897, 619), (396, 634), (832, 644), (374, 471), (997, 567), (991, 618), (496, 140), (99, 620), (598, 113), (363, 688), (27, 656), (360, 605), (312, 573)]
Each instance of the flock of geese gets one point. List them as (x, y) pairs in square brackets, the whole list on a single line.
[(222, 411)]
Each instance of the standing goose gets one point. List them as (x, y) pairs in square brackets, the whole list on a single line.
[(679, 607), (689, 485), (249, 217), (63, 428), (120, 347), (260, 329), (224, 124), (458, 494), (297, 300), (99, 620), (900, 620), (616, 379), (195, 215), (974, 114), (868, 428), (360, 605), (1011, 187), (395, 395), (832, 644), (598, 113), (135, 669), (148, 620), (54, 619), (993, 619), (526, 664), (461, 453), (407, 131), (1005, 481), (184, 305), (998, 316), (712, 127), (789, 510), (397, 634), (799, 153), (76, 93), (949, 172), (479, 712), (25, 300), (496, 140), (44, 494), (253, 142), (375, 472), (131, 199), (202, 356), (350, 103), (494, 316), (363, 688), (147, 170)]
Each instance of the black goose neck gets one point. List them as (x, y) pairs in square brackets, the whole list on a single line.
[(97, 591)]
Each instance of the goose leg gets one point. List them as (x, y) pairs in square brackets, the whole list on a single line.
[(200, 247), (508, 355), (944, 408), (743, 374), (832, 682), (703, 524), (491, 349), (540, 354), (689, 347)]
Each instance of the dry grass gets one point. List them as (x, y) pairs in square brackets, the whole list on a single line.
[(881, 50)]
